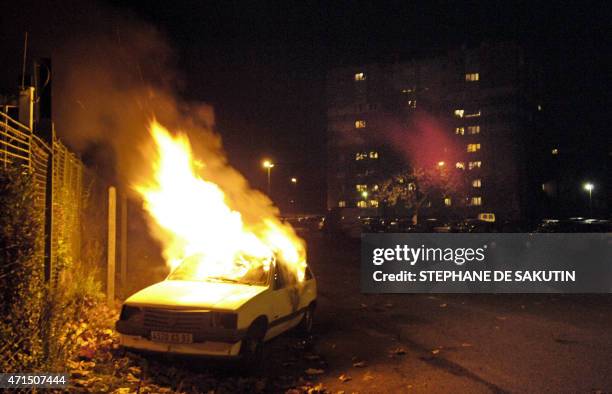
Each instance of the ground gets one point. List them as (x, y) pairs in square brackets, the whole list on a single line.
[(406, 343)]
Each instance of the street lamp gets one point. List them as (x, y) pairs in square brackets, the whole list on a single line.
[(589, 188), (293, 197), (268, 165)]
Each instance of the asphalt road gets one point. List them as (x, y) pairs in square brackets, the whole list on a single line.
[(426, 343), (455, 343)]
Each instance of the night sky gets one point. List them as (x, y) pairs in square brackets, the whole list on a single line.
[(263, 65)]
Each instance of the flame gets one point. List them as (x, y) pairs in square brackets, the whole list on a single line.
[(193, 218)]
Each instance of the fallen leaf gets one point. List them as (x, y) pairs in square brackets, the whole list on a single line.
[(398, 351), (435, 351), (344, 378), (443, 305), (367, 377), (314, 371), (465, 344), (135, 370), (312, 357), (360, 364), (132, 379)]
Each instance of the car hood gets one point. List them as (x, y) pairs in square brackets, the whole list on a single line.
[(179, 294)]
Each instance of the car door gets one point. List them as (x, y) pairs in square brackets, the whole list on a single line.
[(286, 301)]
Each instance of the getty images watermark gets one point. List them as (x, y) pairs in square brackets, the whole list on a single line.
[(486, 263)]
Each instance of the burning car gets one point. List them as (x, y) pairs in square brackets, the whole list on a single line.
[(238, 274), (220, 316)]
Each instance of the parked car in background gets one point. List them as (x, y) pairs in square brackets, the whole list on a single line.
[(574, 225)]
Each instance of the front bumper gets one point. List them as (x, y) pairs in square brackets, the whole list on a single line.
[(215, 342), (208, 348)]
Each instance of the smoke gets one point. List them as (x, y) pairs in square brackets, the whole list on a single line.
[(110, 81), (423, 142)]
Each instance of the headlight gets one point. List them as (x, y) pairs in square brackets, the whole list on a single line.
[(224, 320), (131, 313)]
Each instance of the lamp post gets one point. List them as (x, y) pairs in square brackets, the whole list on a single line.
[(268, 165), (293, 198), (589, 188)]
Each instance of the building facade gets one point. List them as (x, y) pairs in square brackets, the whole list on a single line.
[(472, 109)]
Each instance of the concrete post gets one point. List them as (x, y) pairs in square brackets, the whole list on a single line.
[(112, 240)]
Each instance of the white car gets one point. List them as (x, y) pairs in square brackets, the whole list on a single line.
[(217, 316)]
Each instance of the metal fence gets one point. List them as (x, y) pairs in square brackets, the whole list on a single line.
[(57, 174)]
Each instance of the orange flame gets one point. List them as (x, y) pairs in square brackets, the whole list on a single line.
[(195, 219)]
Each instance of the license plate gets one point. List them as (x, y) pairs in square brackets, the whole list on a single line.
[(171, 337)]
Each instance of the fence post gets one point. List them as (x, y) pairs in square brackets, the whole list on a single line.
[(123, 246), (48, 239), (112, 233)]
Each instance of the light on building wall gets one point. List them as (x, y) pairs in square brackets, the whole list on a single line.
[(294, 180), (360, 77), (440, 164), (473, 147), (472, 77), (589, 187), (360, 124), (555, 151)]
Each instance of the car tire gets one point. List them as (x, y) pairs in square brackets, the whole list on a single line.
[(252, 349), (305, 326)]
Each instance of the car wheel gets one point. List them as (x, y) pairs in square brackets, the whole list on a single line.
[(252, 351), (305, 326)]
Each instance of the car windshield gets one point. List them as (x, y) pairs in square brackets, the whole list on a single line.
[(238, 272)]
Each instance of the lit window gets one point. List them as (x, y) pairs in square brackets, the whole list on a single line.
[(460, 165), (361, 156), (447, 201), (360, 77), (473, 114), (476, 201), (472, 77), (342, 203), (360, 124), (459, 113), (362, 204), (474, 164), (459, 130), (555, 151), (411, 103), (361, 188), (374, 203), (473, 147), (473, 129), (476, 183), (373, 155), (375, 187)]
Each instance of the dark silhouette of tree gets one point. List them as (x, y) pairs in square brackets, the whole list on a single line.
[(415, 187)]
